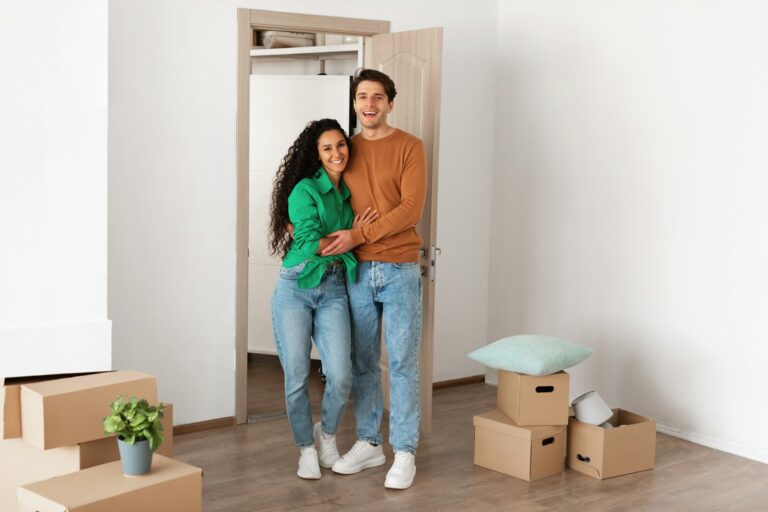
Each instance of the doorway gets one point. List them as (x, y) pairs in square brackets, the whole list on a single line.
[(413, 60), (289, 86)]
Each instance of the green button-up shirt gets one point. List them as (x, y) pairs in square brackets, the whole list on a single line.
[(316, 209)]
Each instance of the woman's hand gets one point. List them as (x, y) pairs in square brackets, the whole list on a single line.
[(364, 218)]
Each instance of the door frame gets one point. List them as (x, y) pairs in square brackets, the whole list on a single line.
[(247, 21)]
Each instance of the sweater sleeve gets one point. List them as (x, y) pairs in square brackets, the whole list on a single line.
[(413, 193), (307, 229)]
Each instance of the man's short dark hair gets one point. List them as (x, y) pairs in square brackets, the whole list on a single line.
[(373, 75)]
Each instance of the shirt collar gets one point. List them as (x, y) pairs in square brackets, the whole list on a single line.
[(325, 185)]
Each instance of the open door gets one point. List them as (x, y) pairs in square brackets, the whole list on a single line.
[(414, 61)]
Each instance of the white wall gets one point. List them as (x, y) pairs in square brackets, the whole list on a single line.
[(172, 186), (628, 208), (53, 178)]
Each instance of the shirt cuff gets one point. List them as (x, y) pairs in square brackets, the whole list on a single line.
[(357, 236)]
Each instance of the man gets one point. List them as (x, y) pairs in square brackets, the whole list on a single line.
[(387, 171)]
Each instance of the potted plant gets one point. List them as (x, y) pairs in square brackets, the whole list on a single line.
[(139, 433)]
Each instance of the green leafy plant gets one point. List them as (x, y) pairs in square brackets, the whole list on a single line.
[(135, 420)]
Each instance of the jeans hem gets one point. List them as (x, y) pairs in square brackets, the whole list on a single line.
[(371, 440), (305, 445), (407, 449)]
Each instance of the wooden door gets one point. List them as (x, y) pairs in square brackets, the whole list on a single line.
[(414, 61)]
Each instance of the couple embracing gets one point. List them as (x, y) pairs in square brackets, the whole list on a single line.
[(349, 265)]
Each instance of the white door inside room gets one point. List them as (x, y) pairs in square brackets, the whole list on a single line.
[(280, 108)]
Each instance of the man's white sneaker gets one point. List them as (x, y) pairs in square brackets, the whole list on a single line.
[(400, 475), (326, 446), (361, 456), (308, 465)]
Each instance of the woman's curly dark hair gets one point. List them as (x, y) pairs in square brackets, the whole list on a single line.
[(301, 161)]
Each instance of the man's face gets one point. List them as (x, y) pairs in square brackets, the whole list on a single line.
[(371, 104)]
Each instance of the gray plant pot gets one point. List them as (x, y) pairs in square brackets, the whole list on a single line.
[(136, 458)]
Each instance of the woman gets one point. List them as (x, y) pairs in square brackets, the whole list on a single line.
[(310, 299)]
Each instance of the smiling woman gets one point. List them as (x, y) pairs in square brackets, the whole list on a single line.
[(310, 300), (334, 152)]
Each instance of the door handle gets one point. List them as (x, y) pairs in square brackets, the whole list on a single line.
[(434, 250)]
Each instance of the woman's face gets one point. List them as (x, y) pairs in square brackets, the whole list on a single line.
[(333, 150)]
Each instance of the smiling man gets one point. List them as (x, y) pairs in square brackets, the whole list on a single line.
[(387, 171)]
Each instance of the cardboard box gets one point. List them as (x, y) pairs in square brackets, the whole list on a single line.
[(10, 403), (70, 411), (602, 453), (172, 486), (10, 411), (529, 453), (530, 400), (22, 464)]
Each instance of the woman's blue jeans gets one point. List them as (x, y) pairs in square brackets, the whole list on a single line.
[(390, 292), (298, 317)]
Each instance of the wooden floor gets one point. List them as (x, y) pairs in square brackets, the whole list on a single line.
[(253, 467)]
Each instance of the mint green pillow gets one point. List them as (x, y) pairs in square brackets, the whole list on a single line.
[(531, 354)]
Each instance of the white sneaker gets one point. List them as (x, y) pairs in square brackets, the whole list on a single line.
[(308, 465), (400, 475), (326, 446), (362, 455)]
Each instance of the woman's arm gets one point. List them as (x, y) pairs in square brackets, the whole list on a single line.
[(324, 242), (307, 228)]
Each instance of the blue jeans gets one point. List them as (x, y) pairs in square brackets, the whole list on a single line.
[(392, 292), (321, 313)]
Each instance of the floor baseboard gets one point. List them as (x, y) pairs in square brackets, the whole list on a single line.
[(472, 379), (188, 428), (714, 442)]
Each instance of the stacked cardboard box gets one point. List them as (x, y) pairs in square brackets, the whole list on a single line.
[(172, 486), (628, 447), (525, 436), (53, 426)]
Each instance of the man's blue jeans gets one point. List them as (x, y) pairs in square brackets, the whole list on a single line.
[(390, 292), (321, 313)]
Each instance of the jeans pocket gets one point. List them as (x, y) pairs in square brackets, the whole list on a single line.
[(406, 265)]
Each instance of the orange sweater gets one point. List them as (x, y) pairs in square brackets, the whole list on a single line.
[(389, 175)]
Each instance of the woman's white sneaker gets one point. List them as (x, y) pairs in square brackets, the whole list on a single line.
[(309, 467), (362, 455), (327, 451), (400, 475)]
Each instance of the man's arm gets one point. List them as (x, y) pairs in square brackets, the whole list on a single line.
[(413, 187), (323, 244)]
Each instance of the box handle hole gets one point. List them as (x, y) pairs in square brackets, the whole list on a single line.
[(545, 389), (582, 458), (547, 441)]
